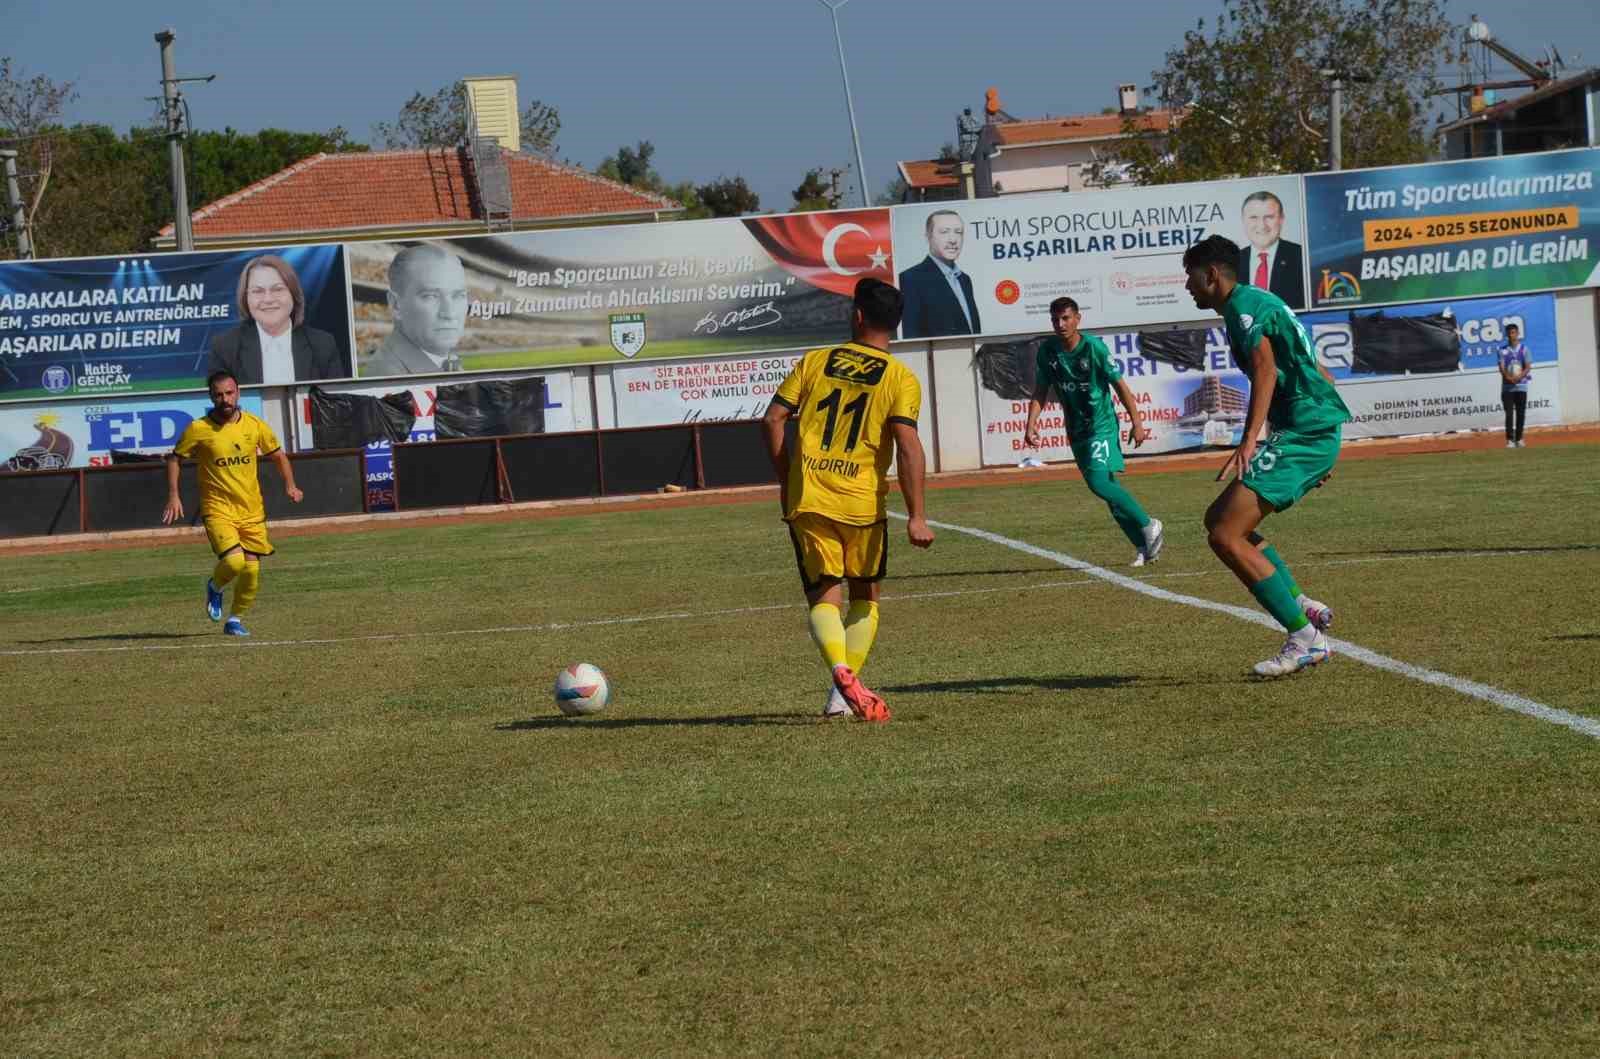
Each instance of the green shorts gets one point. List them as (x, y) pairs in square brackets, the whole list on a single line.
[(1290, 463), (1102, 452)]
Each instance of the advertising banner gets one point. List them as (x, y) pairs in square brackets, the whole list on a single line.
[(558, 418), (84, 433), (1467, 398), (1188, 409), (1118, 253), (1494, 225), (699, 391), (614, 294), (117, 325), (1183, 408)]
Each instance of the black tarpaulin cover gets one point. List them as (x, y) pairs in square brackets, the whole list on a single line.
[(353, 420), (1007, 368), (1394, 344), (1185, 348), (494, 408)]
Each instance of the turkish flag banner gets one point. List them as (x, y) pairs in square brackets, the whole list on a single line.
[(830, 250)]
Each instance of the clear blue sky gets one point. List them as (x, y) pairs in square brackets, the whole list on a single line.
[(721, 87)]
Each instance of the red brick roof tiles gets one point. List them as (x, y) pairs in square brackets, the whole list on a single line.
[(420, 188)]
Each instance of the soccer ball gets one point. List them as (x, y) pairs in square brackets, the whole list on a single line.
[(582, 689)]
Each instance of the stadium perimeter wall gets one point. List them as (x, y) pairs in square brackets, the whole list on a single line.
[(1386, 239)]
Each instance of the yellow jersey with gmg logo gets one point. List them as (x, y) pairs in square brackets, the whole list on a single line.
[(229, 485), (844, 398)]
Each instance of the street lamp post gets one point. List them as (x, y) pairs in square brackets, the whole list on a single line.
[(833, 7)]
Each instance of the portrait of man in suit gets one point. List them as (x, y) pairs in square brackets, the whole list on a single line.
[(272, 343), (938, 295), (428, 297), (1268, 261)]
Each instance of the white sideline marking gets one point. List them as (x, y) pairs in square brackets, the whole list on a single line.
[(1504, 699)]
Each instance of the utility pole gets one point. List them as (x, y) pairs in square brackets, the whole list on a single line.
[(172, 107), (19, 220), (1336, 122), (833, 7)]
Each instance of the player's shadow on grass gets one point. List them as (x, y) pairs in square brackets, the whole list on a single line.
[(1577, 636), (978, 573), (1518, 550), (738, 720), (118, 636), (1004, 684)]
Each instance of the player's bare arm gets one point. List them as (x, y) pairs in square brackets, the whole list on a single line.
[(1136, 429), (280, 459), (174, 509), (911, 462), (1041, 394), (773, 427)]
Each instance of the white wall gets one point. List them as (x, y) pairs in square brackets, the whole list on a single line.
[(1577, 337)]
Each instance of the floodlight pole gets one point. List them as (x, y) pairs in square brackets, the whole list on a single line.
[(849, 105)]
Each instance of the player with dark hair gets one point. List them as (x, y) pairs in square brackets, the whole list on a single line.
[(1080, 370), (1295, 398), (854, 407), (225, 442)]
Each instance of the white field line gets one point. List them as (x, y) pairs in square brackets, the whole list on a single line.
[(1504, 699)]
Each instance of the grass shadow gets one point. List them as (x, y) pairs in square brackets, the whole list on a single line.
[(1522, 550), (738, 720), (1576, 636), (974, 573), (119, 636), (1001, 685)]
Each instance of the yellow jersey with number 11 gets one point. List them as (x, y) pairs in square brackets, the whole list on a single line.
[(844, 398)]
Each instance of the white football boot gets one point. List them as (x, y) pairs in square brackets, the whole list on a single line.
[(1300, 651)]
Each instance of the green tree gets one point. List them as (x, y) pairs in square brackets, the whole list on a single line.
[(818, 191), (30, 112), (1252, 98), (440, 120), (631, 166), (729, 197)]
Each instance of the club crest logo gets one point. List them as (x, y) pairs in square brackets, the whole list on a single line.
[(56, 379), (1246, 321), (627, 333)]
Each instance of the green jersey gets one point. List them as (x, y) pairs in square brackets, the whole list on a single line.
[(1082, 380), (1302, 399)]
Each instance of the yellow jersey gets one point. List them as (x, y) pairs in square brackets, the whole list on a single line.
[(844, 398), (229, 485)]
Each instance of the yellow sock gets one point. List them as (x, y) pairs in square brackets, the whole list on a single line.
[(860, 629), (228, 567), (244, 596), (827, 632)]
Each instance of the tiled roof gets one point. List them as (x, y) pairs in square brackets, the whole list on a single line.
[(1076, 127), (932, 174), (384, 189)]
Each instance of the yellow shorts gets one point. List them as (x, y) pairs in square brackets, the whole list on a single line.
[(824, 548), (226, 534)]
